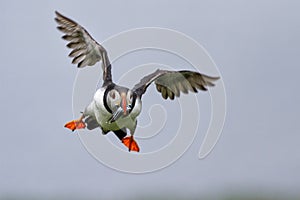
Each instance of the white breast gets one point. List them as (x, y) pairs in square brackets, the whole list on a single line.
[(98, 110), (127, 122)]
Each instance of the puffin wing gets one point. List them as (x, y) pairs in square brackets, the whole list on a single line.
[(172, 83), (85, 50)]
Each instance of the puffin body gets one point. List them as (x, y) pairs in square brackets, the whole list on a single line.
[(116, 108), (99, 110)]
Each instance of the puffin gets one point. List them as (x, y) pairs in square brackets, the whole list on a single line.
[(115, 108)]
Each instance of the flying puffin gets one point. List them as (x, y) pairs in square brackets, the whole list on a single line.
[(116, 108)]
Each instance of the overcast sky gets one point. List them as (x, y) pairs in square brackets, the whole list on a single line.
[(255, 45)]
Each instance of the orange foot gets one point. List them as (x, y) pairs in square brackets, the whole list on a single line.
[(75, 124), (131, 144)]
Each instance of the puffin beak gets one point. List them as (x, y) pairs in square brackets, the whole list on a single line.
[(124, 103), (122, 109)]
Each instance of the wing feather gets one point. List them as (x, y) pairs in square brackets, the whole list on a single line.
[(85, 50), (172, 83)]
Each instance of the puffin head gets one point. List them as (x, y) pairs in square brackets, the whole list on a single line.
[(120, 101)]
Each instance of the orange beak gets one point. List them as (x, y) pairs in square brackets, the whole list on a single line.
[(124, 103)]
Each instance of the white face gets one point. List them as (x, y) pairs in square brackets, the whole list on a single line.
[(113, 99), (129, 98)]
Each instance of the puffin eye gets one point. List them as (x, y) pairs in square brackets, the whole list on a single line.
[(112, 95)]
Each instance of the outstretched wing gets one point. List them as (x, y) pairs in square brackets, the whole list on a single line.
[(85, 50), (171, 83)]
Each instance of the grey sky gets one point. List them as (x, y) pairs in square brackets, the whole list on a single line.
[(255, 45)]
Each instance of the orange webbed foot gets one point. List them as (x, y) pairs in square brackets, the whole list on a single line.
[(75, 124), (131, 144)]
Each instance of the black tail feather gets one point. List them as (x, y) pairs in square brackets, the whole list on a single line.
[(121, 133)]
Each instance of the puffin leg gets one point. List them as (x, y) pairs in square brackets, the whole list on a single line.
[(129, 141), (76, 124)]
